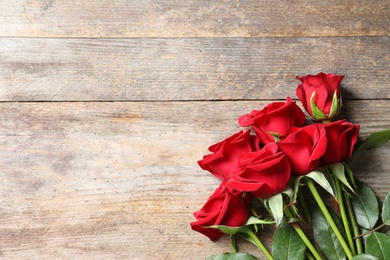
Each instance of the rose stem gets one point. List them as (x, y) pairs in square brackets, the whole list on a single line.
[(328, 217), (259, 244), (309, 256), (344, 216), (355, 227), (303, 236)]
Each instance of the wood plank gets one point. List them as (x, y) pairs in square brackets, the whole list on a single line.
[(187, 69), (193, 18), (119, 180)]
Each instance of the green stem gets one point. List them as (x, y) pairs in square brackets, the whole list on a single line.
[(259, 244), (309, 256), (355, 227), (326, 121), (302, 201), (303, 236), (344, 217), (372, 230), (328, 217)]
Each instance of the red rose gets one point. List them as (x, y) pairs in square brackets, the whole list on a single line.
[(224, 207), (275, 119), (225, 153), (304, 147), (263, 173), (320, 95), (341, 137)]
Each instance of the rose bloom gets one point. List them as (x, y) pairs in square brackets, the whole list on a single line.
[(325, 87), (275, 119), (226, 153), (263, 173), (341, 139), (224, 207), (304, 147)]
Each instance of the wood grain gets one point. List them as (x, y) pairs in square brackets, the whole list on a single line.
[(193, 18), (86, 177), (119, 180), (187, 69)]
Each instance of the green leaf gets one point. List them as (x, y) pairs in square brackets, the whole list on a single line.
[(253, 220), (319, 177), (386, 210), (287, 244), (375, 140), (289, 192), (324, 235), (365, 257), (350, 174), (275, 203), (339, 172), (233, 256), (229, 230), (247, 238), (234, 230), (296, 185), (378, 244), (365, 205)]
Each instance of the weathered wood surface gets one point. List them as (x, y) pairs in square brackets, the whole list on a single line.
[(193, 18), (85, 177), (187, 69), (102, 180)]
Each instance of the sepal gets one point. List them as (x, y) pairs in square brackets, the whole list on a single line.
[(336, 106), (316, 176), (275, 203), (316, 113), (338, 171)]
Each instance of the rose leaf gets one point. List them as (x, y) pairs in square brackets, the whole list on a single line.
[(287, 244), (375, 140), (233, 256), (365, 257), (386, 210), (324, 235), (229, 230), (365, 205), (378, 244)]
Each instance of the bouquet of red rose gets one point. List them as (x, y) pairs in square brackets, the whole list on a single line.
[(264, 172)]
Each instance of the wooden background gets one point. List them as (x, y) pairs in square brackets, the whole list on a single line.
[(107, 105)]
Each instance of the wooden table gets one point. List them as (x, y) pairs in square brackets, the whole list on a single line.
[(106, 106)]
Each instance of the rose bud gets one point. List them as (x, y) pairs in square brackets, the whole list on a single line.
[(304, 148), (224, 207), (341, 139), (226, 153), (274, 120), (263, 173), (320, 95)]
